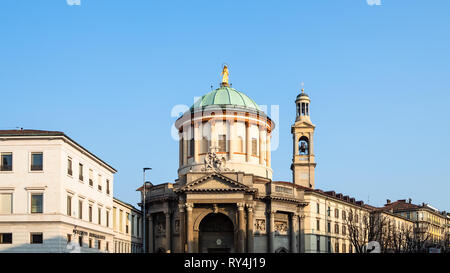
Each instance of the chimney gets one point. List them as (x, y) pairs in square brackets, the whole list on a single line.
[(388, 201)]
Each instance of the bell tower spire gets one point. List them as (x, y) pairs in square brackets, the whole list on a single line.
[(303, 163)]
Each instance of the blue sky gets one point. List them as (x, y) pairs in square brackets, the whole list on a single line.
[(108, 74)]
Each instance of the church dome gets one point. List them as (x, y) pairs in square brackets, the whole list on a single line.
[(225, 96)]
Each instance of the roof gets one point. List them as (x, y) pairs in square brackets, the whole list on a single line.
[(125, 204), (45, 133), (225, 95), (332, 194)]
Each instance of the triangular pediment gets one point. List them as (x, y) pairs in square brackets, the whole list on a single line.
[(215, 182)]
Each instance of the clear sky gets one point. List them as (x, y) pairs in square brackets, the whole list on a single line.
[(108, 73)]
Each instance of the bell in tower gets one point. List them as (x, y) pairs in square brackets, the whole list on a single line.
[(303, 163)]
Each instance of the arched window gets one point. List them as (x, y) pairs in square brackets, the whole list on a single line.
[(303, 146)]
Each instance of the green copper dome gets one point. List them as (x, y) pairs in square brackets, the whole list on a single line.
[(226, 96)]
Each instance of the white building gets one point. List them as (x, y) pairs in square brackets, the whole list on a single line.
[(127, 226), (53, 191)]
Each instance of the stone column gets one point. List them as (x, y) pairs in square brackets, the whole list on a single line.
[(213, 134), (232, 137), (180, 149), (151, 235), (182, 228), (196, 142), (190, 228), (168, 248), (293, 233), (268, 152), (185, 147), (248, 142), (261, 146), (250, 244), (241, 232), (271, 233), (295, 145)]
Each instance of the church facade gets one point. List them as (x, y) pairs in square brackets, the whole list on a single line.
[(224, 199)]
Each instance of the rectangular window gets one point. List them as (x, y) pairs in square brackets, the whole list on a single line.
[(336, 246), (107, 186), (36, 238), (91, 177), (132, 225), (90, 213), (5, 203), (114, 218), (69, 166), (36, 162), (6, 162), (344, 248), (318, 225), (344, 215), (80, 209), (99, 244), (90, 243), (99, 216), (69, 238), (344, 230), (350, 248), (336, 228), (69, 205), (80, 172), (329, 227), (254, 146), (222, 143), (107, 246), (318, 208), (138, 225), (107, 218), (5, 238), (37, 202), (336, 213), (318, 244), (121, 220), (329, 211), (80, 241), (99, 183), (127, 229)]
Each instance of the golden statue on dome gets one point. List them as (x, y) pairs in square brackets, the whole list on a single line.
[(225, 75)]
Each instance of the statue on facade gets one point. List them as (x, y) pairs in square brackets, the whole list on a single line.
[(213, 162)]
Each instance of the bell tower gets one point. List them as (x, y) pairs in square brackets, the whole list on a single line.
[(303, 163)]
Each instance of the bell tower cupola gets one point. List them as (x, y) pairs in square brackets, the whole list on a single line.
[(303, 163)]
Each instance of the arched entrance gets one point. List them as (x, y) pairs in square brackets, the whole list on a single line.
[(216, 234)]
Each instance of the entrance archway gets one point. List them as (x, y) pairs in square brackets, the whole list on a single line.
[(216, 234)]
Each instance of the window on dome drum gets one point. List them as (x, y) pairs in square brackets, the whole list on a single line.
[(5, 238), (222, 143), (36, 162), (204, 145), (6, 162), (80, 172), (240, 144), (303, 146), (37, 202), (191, 146), (69, 166), (5, 203), (254, 146), (36, 238)]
